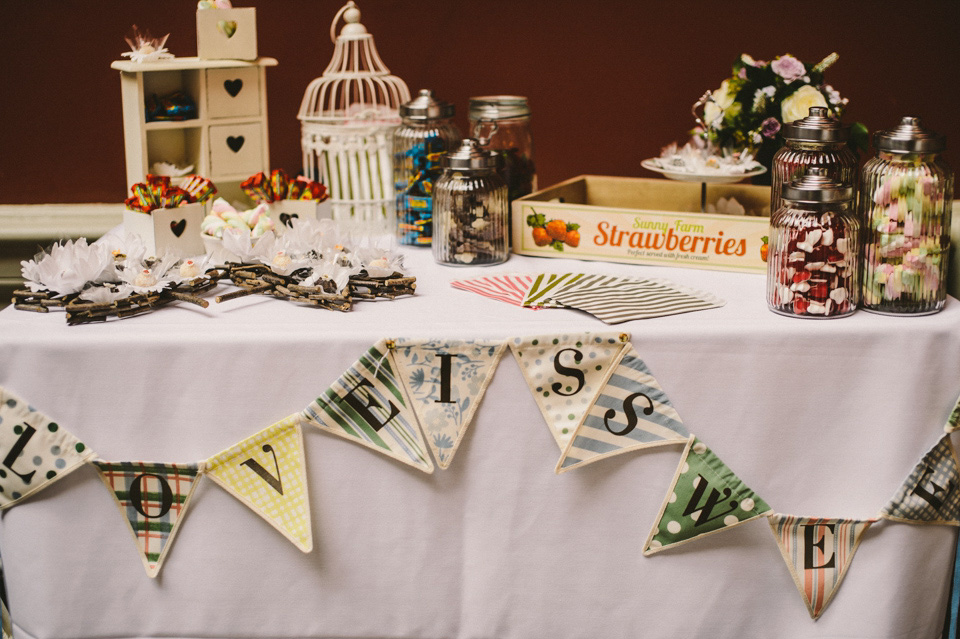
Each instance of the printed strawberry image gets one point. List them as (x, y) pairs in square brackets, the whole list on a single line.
[(764, 248), (540, 237), (557, 230), (573, 235)]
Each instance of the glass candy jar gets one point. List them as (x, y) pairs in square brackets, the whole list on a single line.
[(816, 140), (502, 124), (470, 209), (426, 133), (905, 197), (812, 267)]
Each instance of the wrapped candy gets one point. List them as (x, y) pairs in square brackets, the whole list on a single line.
[(278, 186), (156, 192)]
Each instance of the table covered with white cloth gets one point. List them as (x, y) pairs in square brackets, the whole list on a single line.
[(820, 418)]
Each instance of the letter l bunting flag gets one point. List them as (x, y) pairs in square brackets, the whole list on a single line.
[(931, 494)]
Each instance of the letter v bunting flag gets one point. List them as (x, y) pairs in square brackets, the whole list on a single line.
[(267, 472), (367, 405), (630, 413), (445, 381), (931, 494)]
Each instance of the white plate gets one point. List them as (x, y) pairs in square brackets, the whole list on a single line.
[(712, 178)]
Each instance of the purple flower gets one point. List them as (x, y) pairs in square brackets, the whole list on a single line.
[(788, 68), (770, 127)]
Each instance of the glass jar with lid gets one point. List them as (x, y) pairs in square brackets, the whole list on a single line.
[(813, 263), (502, 124), (427, 132), (470, 209), (816, 140), (905, 196)]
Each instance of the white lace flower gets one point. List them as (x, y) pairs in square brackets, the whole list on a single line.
[(68, 267)]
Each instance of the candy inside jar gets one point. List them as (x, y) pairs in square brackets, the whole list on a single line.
[(812, 269)]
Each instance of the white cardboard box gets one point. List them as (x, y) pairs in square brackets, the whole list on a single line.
[(213, 43), (164, 230), (283, 211)]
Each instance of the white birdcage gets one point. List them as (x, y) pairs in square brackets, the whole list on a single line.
[(348, 116)]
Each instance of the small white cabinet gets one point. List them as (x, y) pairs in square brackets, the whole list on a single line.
[(227, 141)]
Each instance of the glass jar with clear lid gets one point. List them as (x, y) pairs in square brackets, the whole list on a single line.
[(813, 263), (816, 140), (502, 124), (470, 209), (906, 192), (427, 132)]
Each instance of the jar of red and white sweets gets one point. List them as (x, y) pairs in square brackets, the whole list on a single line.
[(813, 265)]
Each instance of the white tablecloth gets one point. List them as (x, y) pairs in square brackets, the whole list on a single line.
[(820, 418)]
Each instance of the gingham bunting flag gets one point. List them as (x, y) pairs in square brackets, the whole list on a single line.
[(931, 494), (565, 372), (34, 450), (818, 553), (445, 381), (630, 413), (266, 471), (367, 405), (153, 499), (705, 497)]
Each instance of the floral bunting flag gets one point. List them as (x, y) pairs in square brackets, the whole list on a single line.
[(34, 451), (153, 499), (706, 497), (445, 381), (367, 405), (931, 494), (630, 413), (818, 552), (266, 471), (565, 372)]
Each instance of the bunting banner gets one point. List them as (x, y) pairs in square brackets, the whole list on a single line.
[(267, 472), (565, 374), (445, 381), (705, 498), (630, 413), (931, 494), (34, 451), (818, 553), (153, 499), (367, 405)]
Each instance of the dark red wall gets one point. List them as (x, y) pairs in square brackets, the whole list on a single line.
[(609, 82)]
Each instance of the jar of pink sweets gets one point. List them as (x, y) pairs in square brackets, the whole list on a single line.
[(813, 264), (905, 198)]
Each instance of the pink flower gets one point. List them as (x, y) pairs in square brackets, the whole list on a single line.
[(770, 127), (788, 68), (742, 74)]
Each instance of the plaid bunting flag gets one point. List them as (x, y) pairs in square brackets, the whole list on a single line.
[(931, 494)]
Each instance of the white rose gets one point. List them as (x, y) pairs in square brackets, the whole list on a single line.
[(722, 99), (797, 105)]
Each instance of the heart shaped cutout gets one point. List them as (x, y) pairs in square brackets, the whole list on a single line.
[(233, 86), (235, 143), (227, 27), (178, 227), (287, 218)]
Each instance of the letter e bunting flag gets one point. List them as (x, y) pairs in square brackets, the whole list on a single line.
[(565, 373), (367, 405), (705, 497), (34, 451), (266, 472), (153, 499), (818, 552), (931, 494), (630, 413), (445, 381)]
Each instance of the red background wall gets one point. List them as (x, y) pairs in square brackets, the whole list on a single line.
[(609, 82)]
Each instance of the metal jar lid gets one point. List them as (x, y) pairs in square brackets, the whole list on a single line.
[(426, 107), (498, 107), (816, 186), (816, 127), (469, 157), (909, 137)]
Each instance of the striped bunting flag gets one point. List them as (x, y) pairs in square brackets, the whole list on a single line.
[(152, 498), (505, 288), (817, 552), (545, 285), (367, 405), (625, 300), (931, 494), (630, 413)]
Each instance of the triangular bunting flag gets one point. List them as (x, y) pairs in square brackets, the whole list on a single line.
[(153, 499), (34, 451), (445, 381), (817, 552), (367, 405), (565, 372), (266, 472), (630, 413), (705, 497), (953, 422), (931, 494)]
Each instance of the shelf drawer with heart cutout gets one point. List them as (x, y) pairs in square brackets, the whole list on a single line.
[(233, 92), (235, 150), (227, 34)]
